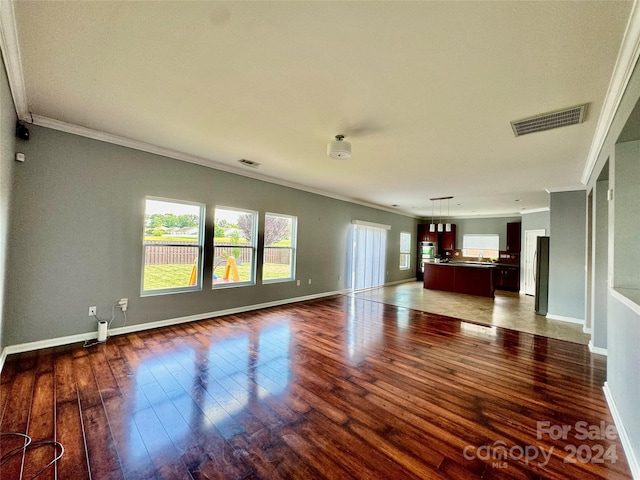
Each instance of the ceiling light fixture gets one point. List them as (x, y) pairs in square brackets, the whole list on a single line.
[(339, 148), (432, 226), (441, 226)]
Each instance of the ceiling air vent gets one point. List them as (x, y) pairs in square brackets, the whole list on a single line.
[(547, 121), (249, 163)]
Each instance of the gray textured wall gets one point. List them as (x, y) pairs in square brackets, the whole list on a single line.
[(7, 165), (78, 206), (567, 254)]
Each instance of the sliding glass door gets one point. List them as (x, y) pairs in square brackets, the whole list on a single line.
[(369, 251)]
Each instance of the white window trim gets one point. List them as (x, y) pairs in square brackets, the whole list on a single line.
[(293, 248), (253, 246), (169, 291), (406, 253)]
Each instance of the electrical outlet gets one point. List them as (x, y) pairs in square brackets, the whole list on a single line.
[(298, 283), (93, 311), (309, 281), (124, 304)]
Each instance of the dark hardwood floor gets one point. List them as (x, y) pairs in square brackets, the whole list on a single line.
[(334, 388)]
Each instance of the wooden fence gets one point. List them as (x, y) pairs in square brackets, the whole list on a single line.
[(158, 254)]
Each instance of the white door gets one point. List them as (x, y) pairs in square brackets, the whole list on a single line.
[(530, 245), (369, 250)]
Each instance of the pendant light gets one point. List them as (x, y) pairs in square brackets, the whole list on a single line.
[(432, 226), (440, 217), (447, 226)]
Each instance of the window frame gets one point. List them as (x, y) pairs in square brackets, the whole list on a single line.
[(491, 253), (406, 253), (200, 245), (293, 248), (253, 247)]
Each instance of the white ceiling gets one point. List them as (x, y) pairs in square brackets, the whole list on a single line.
[(424, 91)]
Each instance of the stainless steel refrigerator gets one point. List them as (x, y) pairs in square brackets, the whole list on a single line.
[(542, 275)]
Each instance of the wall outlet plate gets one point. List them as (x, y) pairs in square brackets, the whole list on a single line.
[(93, 311)]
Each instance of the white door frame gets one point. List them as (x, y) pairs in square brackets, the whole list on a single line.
[(530, 246)]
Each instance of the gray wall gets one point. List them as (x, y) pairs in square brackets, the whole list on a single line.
[(623, 365), (623, 322), (567, 253), (78, 206), (483, 226), (7, 152), (627, 215), (536, 221), (600, 265)]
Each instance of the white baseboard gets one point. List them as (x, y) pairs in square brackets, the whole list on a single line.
[(3, 357), (597, 350), (55, 342), (634, 465), (561, 318)]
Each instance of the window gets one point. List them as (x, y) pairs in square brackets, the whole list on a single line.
[(234, 247), (405, 250), (481, 246), (278, 262), (172, 246)]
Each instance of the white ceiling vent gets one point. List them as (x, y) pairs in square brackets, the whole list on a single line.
[(547, 121), (248, 163)]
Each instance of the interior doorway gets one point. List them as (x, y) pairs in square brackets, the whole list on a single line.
[(530, 245)]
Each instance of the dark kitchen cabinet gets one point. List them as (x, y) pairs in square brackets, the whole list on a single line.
[(513, 237), (423, 228), (439, 277), (424, 235), (508, 278), (432, 236), (447, 240)]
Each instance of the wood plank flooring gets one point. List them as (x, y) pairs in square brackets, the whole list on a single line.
[(336, 388)]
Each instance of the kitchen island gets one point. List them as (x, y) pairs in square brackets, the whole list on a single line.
[(461, 277)]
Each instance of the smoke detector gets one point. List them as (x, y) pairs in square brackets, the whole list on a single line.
[(339, 148)]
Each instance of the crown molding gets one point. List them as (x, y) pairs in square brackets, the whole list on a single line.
[(625, 64), (574, 188), (13, 60), (535, 210), (73, 129)]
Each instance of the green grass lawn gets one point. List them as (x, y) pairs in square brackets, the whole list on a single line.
[(177, 276)]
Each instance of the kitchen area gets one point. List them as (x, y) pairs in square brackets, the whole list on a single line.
[(469, 262)]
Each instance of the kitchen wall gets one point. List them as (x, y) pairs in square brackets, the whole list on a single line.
[(483, 226), (567, 255), (78, 209), (7, 165)]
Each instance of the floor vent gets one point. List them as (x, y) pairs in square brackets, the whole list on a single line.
[(249, 163), (547, 121)]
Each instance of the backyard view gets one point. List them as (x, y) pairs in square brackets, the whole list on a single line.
[(173, 246)]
